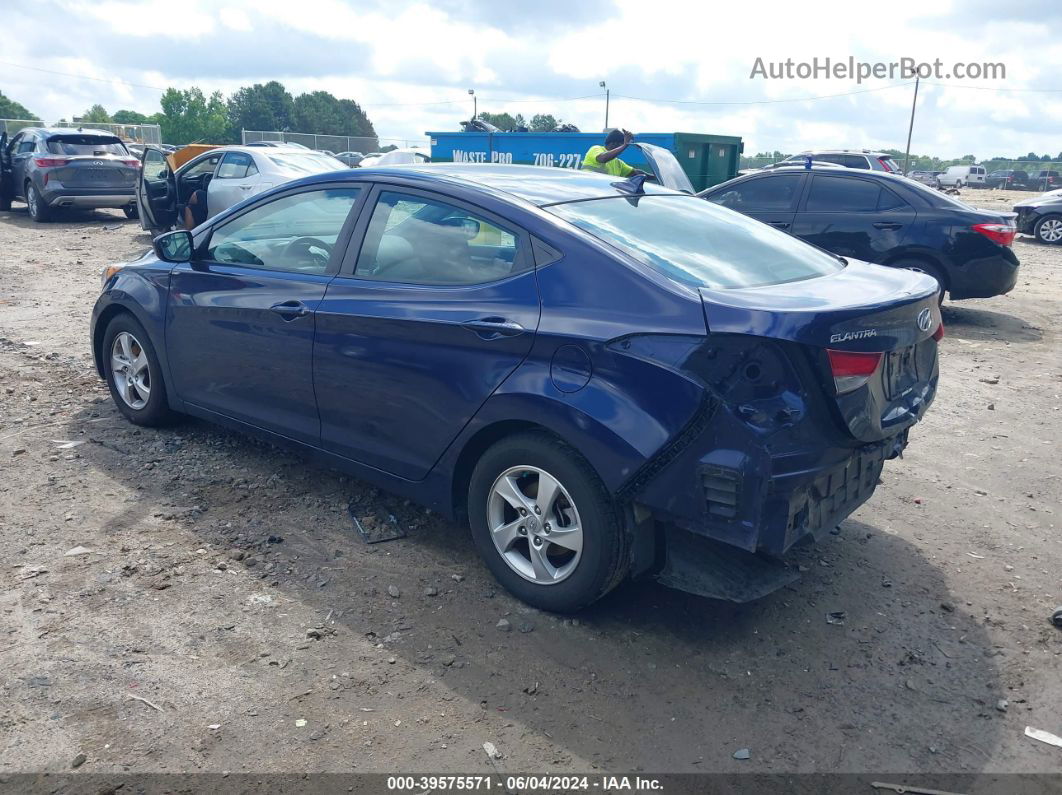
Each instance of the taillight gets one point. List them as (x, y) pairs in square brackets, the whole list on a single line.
[(852, 369), (50, 162), (131, 163), (997, 233), (938, 335), (884, 164)]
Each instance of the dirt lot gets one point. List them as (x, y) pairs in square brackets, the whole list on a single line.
[(224, 599)]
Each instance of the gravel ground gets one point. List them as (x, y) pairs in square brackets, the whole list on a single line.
[(189, 600)]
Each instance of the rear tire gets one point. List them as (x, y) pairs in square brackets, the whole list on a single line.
[(131, 212), (1048, 230), (38, 210), (532, 554), (921, 266), (134, 373)]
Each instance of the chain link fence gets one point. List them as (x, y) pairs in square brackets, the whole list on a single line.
[(330, 143), (136, 133)]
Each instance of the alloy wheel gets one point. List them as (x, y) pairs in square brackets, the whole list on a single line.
[(535, 525), (1051, 230), (130, 370)]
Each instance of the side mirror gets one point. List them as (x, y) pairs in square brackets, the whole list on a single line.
[(174, 246)]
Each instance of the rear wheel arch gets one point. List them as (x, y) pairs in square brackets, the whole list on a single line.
[(481, 441)]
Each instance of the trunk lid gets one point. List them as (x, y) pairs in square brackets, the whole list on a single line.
[(88, 171), (842, 324)]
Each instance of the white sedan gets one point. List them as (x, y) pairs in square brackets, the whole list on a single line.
[(224, 176)]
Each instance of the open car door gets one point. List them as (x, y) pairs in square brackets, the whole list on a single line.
[(663, 164), (7, 176), (156, 192)]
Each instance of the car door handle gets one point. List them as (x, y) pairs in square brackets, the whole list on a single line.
[(892, 225), (492, 328), (289, 310), (779, 224)]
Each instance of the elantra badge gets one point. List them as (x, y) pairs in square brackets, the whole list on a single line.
[(862, 334)]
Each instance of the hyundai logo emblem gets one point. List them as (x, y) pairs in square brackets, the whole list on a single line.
[(925, 317)]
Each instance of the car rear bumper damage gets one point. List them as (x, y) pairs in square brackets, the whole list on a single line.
[(723, 531)]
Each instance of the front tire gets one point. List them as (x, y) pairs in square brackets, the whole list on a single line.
[(545, 525), (38, 210), (1048, 230), (131, 212), (134, 374)]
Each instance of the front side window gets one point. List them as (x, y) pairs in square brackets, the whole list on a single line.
[(204, 166), (236, 165), (841, 194), (295, 233), (415, 240), (697, 243), (775, 193), (155, 166)]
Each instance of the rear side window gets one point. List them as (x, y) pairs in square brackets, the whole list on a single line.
[(236, 165), (778, 193), (415, 240), (85, 145), (841, 194), (697, 243), (890, 201), (855, 161)]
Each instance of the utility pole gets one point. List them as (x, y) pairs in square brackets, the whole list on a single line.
[(475, 106), (910, 127), (602, 84)]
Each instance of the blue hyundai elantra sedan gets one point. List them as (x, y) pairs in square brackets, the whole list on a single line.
[(603, 378)]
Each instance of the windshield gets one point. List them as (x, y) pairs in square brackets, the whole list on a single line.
[(307, 162), (698, 243), (85, 145)]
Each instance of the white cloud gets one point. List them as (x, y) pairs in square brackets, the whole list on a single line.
[(391, 55)]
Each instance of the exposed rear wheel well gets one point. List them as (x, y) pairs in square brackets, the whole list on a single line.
[(473, 451)]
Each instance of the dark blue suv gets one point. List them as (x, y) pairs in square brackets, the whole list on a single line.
[(883, 218), (602, 378)]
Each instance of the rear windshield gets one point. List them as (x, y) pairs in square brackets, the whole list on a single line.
[(307, 162), (86, 145), (697, 243)]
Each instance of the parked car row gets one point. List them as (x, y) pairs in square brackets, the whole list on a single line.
[(733, 392), (884, 218)]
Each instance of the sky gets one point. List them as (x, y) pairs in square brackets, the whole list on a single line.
[(669, 65)]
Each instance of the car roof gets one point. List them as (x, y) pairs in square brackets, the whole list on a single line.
[(538, 185), (68, 131)]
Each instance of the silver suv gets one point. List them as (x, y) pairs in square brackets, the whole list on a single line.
[(49, 168), (849, 158)]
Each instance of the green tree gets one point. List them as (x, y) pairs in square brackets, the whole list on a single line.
[(318, 112), (189, 116), (129, 117), (503, 121), (9, 109), (97, 114), (266, 106), (544, 122)]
